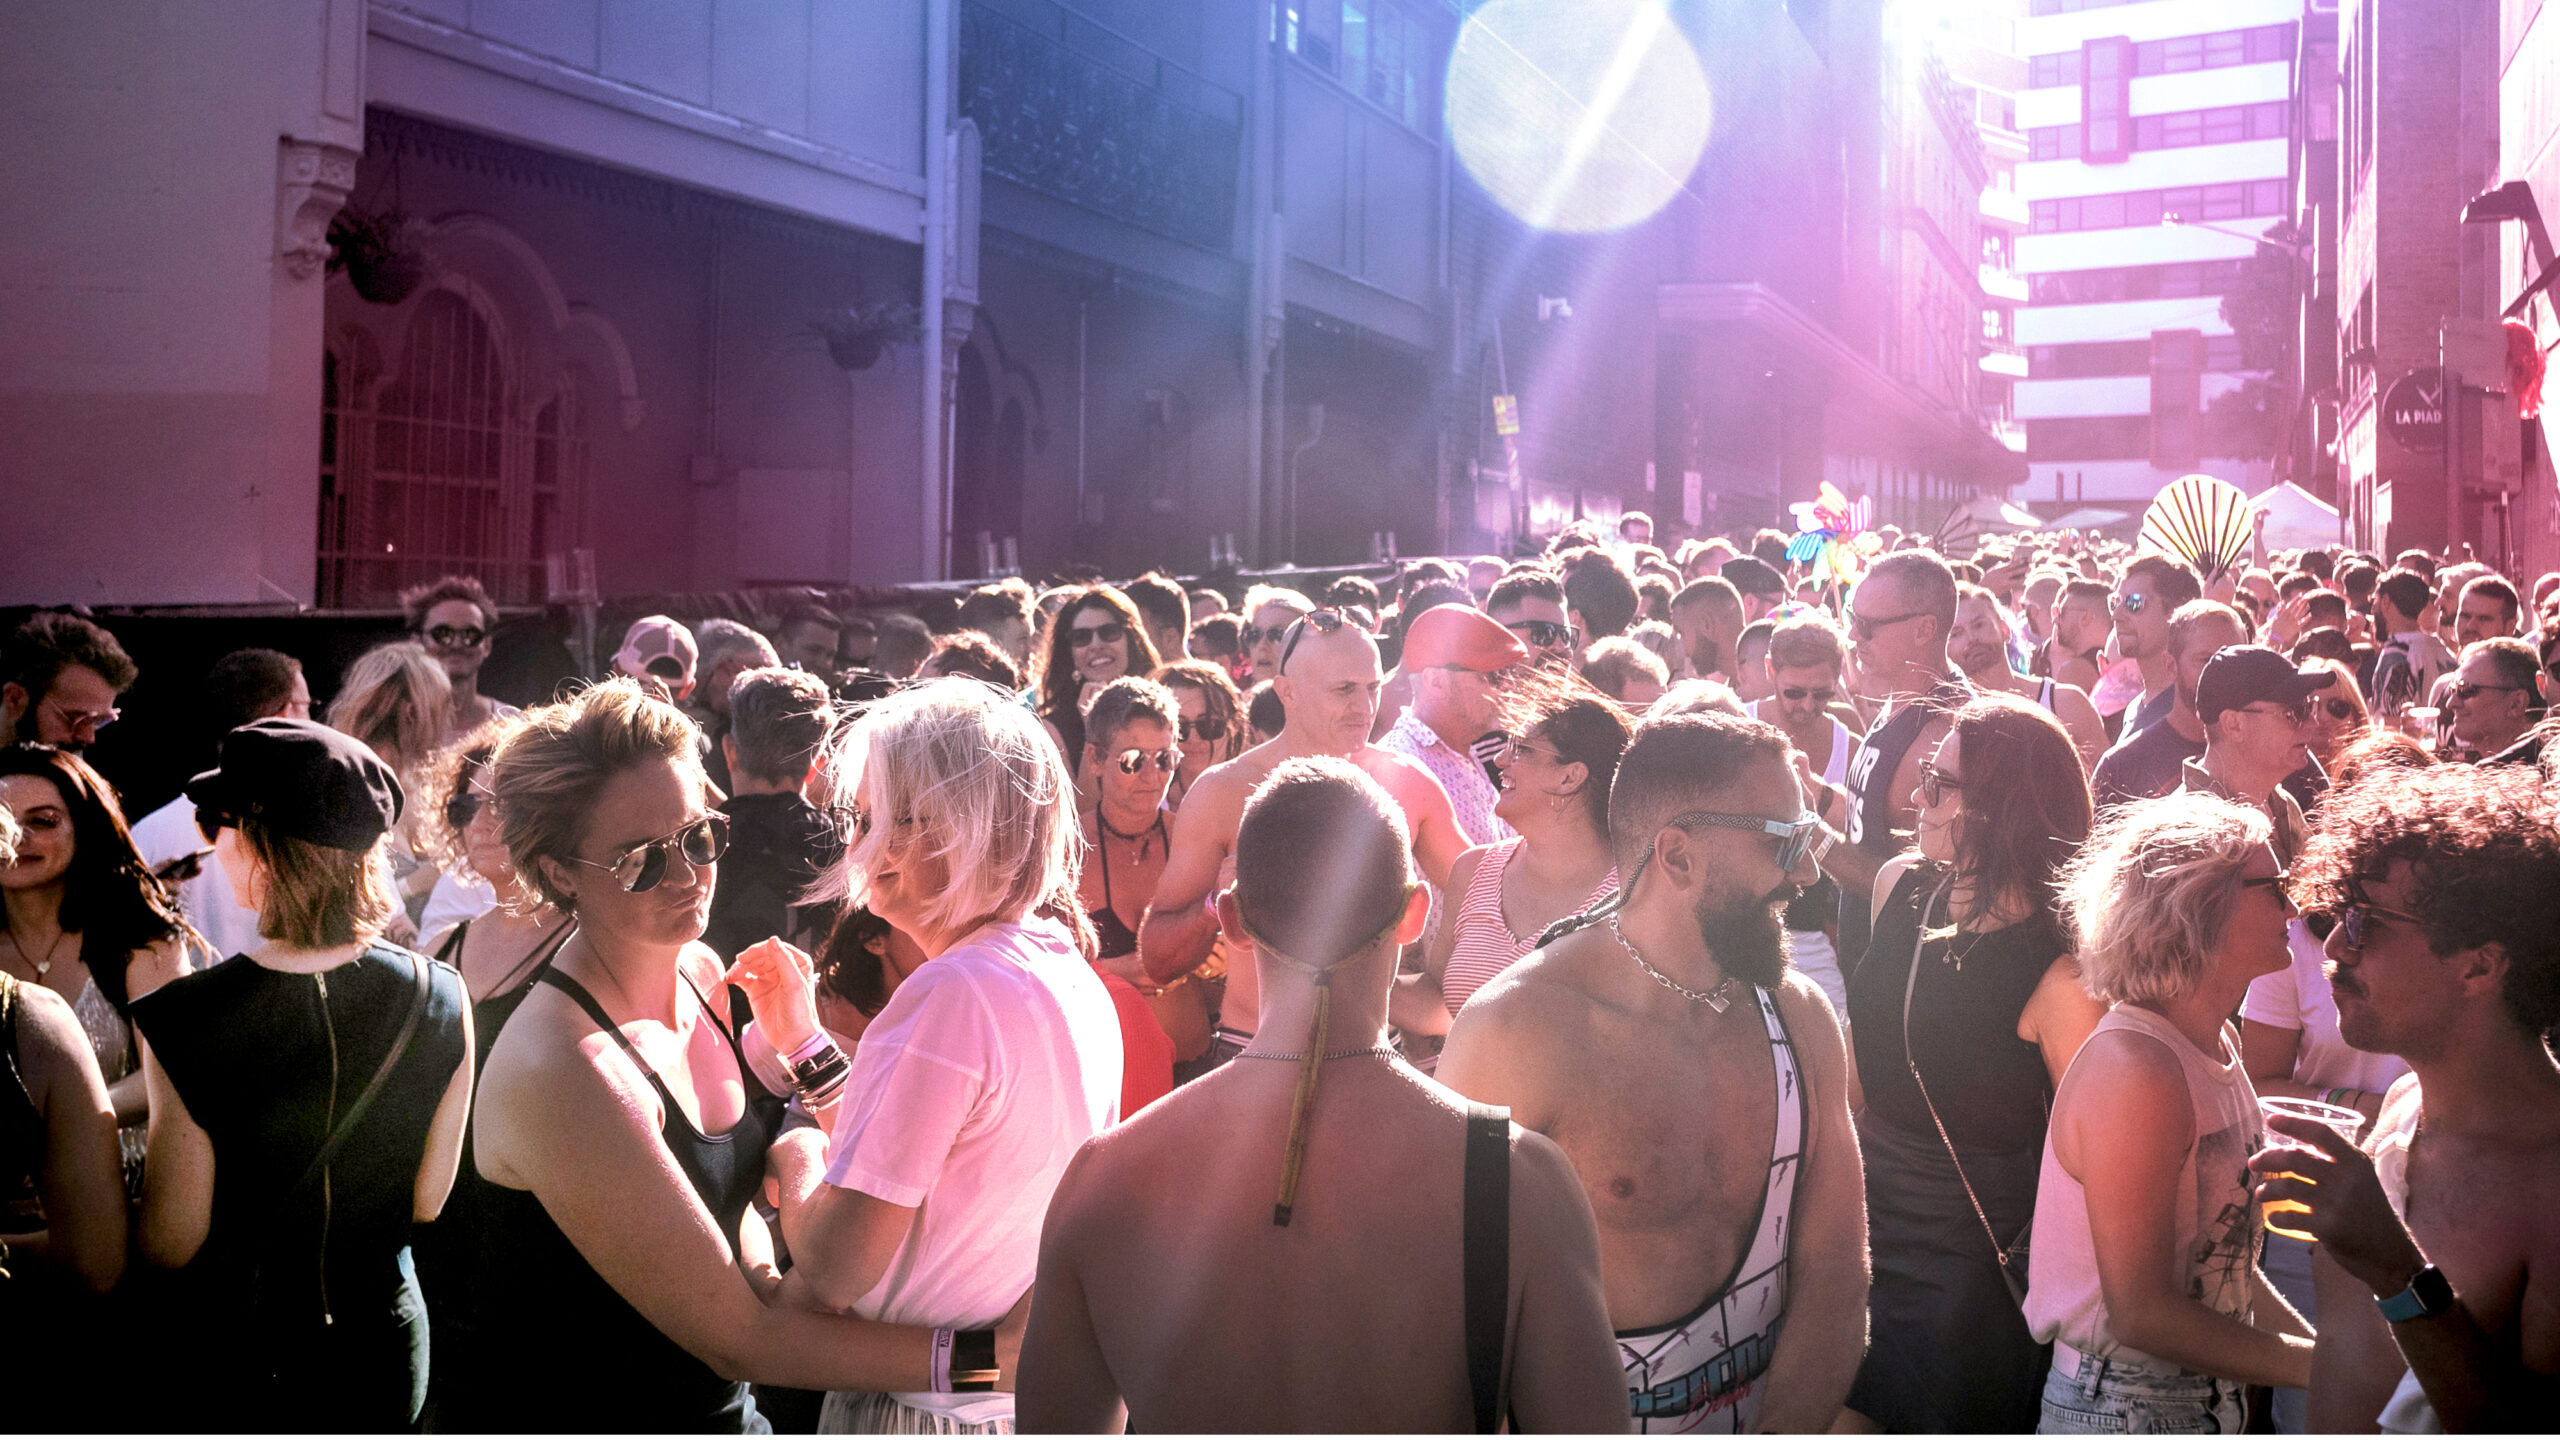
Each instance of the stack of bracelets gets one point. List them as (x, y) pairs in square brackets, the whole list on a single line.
[(818, 1071), (962, 1359)]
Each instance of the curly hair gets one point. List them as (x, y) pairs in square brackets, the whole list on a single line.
[(2482, 847), (548, 773), (418, 600), (2153, 888), (463, 763)]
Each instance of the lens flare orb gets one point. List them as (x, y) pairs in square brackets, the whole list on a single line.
[(1581, 117)]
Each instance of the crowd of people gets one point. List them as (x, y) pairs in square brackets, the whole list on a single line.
[(2050, 988)]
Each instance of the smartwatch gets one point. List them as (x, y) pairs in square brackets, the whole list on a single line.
[(2428, 1295)]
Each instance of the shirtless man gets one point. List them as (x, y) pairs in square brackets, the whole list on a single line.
[(2438, 1267), (1351, 1315), (1980, 648), (1329, 681), (1699, 1088)]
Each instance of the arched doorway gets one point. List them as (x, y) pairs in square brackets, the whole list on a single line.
[(986, 468)]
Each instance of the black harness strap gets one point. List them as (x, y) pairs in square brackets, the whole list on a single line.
[(1487, 1257)]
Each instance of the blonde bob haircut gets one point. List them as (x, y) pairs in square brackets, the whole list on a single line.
[(316, 896), (397, 700), (553, 763), (2150, 894), (981, 786)]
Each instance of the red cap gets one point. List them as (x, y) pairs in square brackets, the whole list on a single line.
[(1460, 635)]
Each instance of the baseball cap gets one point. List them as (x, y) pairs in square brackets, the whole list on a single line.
[(1463, 636), (2239, 675), (303, 779), (652, 638)]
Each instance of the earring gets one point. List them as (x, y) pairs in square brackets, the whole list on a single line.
[(1555, 802)]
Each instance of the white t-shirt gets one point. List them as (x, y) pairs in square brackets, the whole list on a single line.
[(169, 832), (2298, 998), (970, 1093), (459, 896)]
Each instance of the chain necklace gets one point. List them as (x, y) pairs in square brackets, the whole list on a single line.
[(44, 966), (1329, 1054), (1716, 999)]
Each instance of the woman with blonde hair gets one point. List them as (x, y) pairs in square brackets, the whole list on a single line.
[(622, 1127), (991, 1063), (2144, 1273), (397, 700), (2339, 716)]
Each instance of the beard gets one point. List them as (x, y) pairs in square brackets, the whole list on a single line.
[(1976, 659), (1747, 936)]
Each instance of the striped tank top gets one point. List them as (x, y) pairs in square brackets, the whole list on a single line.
[(1485, 945)]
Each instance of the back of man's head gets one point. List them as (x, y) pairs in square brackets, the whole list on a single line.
[(1751, 575), (2405, 592), (2171, 581), (904, 644), (1323, 861), (778, 719), (1715, 594), (1600, 588), (1678, 764), (1533, 583), (988, 607), (1161, 602), (248, 685), (2418, 560), (1770, 549), (719, 640), (1919, 581)]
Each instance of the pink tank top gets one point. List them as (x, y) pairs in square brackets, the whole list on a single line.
[(1485, 946)]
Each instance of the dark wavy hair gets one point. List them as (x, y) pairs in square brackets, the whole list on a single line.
[(108, 895), (2482, 844), (1586, 729), (1056, 659), (2026, 801)]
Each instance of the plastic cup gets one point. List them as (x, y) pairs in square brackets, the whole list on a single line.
[(2340, 1120)]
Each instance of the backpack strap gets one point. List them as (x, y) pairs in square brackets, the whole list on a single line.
[(1487, 1229)]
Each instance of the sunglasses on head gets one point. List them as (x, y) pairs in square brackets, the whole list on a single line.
[(1795, 837), (1323, 622), (1935, 783), (1797, 695), (1545, 634), (1110, 632), (1207, 727), (457, 637), (1133, 760), (642, 866)]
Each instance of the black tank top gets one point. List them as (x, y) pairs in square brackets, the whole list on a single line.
[(1990, 1086), (565, 1351), (1112, 936), (1871, 770)]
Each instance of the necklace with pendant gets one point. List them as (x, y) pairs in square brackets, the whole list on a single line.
[(44, 966), (1716, 999)]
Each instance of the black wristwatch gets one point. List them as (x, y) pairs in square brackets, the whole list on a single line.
[(973, 1360), (2428, 1295)]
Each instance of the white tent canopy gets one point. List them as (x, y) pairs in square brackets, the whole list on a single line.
[(2296, 518)]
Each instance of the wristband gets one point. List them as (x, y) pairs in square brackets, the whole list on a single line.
[(817, 1041), (941, 1362), (973, 1360)]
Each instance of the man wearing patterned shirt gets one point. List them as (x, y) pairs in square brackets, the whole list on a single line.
[(1455, 655)]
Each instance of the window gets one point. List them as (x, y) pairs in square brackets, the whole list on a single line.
[(2137, 208), (2268, 121), (2134, 282), (2106, 437), (2047, 71), (1375, 49), (2106, 99), (2081, 362)]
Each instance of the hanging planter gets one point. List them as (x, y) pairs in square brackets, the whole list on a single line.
[(855, 337), (383, 253)]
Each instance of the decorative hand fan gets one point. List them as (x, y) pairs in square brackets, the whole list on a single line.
[(2200, 520), (1832, 535)]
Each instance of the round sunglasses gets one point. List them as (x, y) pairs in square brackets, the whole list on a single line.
[(1133, 760)]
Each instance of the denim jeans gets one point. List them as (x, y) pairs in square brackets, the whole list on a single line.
[(2097, 1395)]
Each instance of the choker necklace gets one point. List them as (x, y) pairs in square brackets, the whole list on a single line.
[(1716, 999), (1329, 1054), (1144, 839)]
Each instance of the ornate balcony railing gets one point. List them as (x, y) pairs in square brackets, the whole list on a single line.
[(1073, 111)]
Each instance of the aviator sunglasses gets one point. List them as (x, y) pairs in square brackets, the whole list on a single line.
[(642, 866), (1133, 760)]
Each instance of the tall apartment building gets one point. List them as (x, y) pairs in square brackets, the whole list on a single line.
[(1978, 42), (2157, 154)]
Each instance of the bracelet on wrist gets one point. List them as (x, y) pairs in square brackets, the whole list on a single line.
[(817, 1042), (973, 1360)]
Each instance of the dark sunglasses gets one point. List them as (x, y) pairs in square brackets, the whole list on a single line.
[(2299, 712), (1797, 695), (2131, 604), (1207, 727), (1545, 634), (1110, 632), (1862, 628), (457, 637), (2355, 922), (1323, 622), (1133, 760), (2340, 709), (1248, 636), (1935, 783), (2275, 882), (1795, 837), (461, 807), (2467, 692), (642, 866)]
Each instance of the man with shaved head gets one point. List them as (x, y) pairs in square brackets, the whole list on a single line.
[(1355, 1231), (1328, 681), (1698, 1084)]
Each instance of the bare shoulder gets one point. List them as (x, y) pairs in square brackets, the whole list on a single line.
[(1541, 989), (1394, 769), (48, 1028), (1807, 1011), (1463, 872), (155, 965)]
